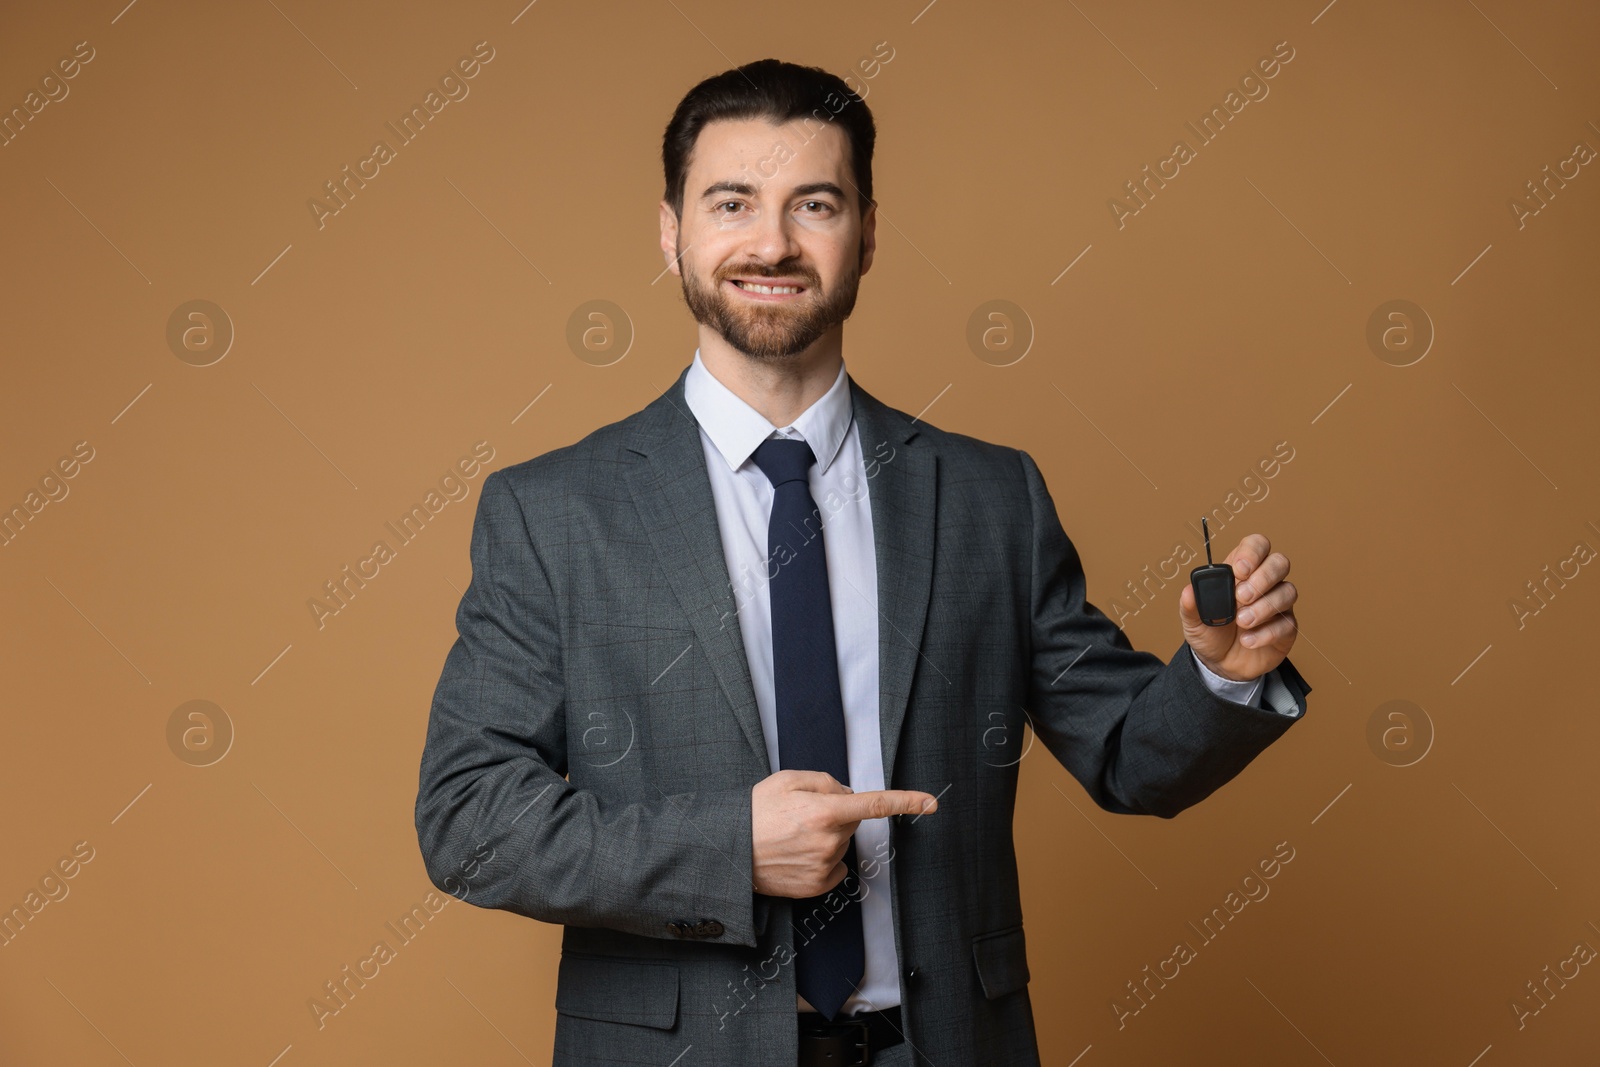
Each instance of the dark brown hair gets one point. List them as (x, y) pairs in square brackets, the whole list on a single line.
[(778, 92)]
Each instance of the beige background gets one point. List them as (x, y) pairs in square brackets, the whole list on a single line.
[(1228, 315)]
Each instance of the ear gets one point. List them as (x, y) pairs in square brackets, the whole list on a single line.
[(669, 237)]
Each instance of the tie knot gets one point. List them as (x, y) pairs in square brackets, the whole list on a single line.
[(784, 460)]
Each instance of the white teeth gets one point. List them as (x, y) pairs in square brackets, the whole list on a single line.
[(753, 287)]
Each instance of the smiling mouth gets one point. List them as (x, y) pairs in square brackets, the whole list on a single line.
[(770, 292)]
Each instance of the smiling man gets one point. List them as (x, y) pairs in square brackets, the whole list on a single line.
[(743, 680)]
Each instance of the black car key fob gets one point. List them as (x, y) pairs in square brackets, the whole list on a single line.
[(1213, 588)]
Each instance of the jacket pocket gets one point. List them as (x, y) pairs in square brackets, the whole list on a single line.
[(1002, 961), (617, 990)]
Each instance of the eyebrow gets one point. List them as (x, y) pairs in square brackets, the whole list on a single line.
[(746, 189)]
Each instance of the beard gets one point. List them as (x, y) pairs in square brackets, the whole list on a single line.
[(774, 331)]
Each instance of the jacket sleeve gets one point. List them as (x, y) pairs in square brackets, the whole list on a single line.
[(499, 824), (1142, 736)]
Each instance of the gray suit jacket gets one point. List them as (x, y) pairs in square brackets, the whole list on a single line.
[(594, 737)]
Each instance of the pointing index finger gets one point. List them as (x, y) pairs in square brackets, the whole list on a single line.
[(882, 803)]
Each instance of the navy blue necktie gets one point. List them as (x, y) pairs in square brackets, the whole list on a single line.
[(830, 949)]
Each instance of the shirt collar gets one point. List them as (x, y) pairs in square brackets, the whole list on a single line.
[(736, 428)]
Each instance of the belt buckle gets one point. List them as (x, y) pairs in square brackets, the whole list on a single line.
[(862, 1046), (849, 1036)]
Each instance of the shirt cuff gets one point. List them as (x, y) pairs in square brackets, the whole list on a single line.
[(1239, 692), (1267, 691), (1275, 694)]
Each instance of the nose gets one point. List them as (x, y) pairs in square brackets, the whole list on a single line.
[(773, 239)]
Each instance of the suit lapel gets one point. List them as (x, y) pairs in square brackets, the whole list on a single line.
[(902, 484), (672, 490)]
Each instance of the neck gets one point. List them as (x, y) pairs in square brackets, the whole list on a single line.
[(780, 389)]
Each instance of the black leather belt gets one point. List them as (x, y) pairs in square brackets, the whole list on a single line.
[(848, 1041)]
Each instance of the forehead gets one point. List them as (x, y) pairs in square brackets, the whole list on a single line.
[(783, 154)]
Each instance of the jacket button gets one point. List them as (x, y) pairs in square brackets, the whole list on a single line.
[(678, 929), (708, 928)]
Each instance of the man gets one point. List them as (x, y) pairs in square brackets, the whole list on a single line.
[(700, 642)]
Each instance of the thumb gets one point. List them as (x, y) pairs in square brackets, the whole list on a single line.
[(1188, 610)]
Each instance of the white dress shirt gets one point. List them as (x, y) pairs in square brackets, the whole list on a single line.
[(730, 430)]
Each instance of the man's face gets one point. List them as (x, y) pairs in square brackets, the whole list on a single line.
[(773, 205)]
